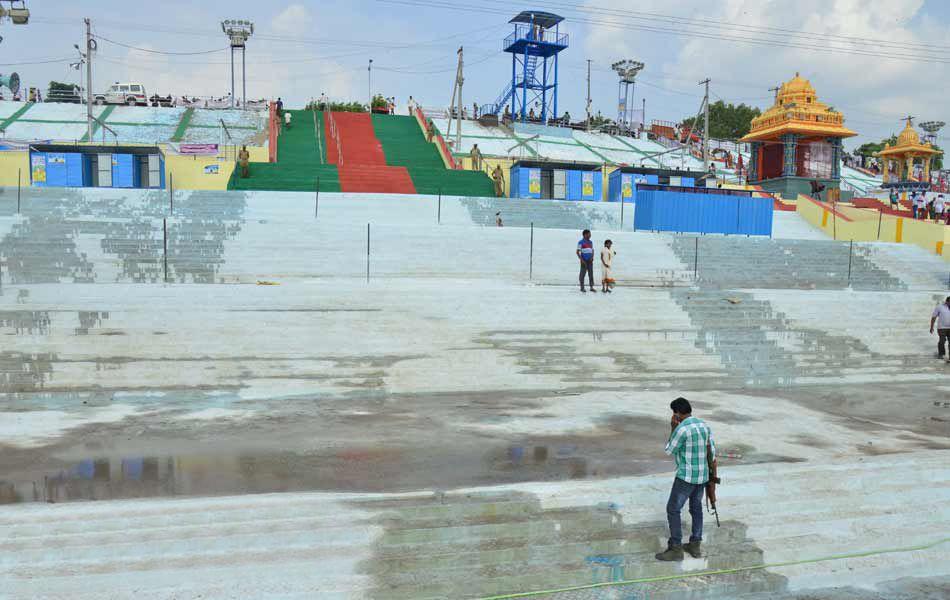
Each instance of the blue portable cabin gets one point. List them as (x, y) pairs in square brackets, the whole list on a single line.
[(702, 210), (622, 181), (73, 165), (557, 180)]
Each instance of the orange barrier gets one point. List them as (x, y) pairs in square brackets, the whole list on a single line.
[(273, 130)]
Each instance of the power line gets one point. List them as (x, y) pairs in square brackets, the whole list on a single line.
[(39, 62), (151, 51)]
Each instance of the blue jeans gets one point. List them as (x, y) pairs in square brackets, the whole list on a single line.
[(680, 493)]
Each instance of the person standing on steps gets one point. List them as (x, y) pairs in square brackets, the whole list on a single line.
[(476, 156), (941, 317), (498, 221), (585, 253), (287, 119), (691, 445), (280, 107), (244, 158), (498, 177), (606, 259)]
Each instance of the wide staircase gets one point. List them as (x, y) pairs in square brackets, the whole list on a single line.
[(404, 145), (301, 161), (362, 165), (793, 527)]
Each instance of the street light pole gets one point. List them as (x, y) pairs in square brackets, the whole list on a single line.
[(369, 85)]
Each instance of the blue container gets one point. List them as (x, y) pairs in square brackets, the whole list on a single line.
[(689, 210), (525, 182), (585, 185), (59, 169), (125, 171)]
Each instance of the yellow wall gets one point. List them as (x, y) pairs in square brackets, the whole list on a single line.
[(187, 172), (864, 227), (9, 163)]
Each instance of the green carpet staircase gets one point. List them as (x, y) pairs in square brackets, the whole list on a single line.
[(405, 145), (301, 160)]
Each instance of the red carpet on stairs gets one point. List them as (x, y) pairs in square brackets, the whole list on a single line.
[(363, 167)]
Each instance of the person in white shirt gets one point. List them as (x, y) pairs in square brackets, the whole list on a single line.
[(939, 207), (941, 317)]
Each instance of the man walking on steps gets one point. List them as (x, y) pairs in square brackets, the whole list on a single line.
[(585, 252), (941, 317), (691, 445), (244, 158)]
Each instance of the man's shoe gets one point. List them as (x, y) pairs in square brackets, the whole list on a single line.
[(672, 553), (693, 549)]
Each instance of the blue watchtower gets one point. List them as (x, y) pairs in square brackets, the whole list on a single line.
[(534, 46)]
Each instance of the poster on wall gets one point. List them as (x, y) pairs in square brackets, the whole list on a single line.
[(211, 169), (626, 186), (534, 181), (38, 167), (55, 159), (587, 184), (198, 149)]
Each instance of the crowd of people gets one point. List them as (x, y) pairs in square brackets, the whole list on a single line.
[(924, 206)]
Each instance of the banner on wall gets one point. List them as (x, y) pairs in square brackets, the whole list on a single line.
[(198, 149), (38, 167), (534, 181), (587, 184), (55, 159), (626, 186)]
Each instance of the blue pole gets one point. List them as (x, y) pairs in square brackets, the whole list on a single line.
[(554, 92), (544, 90), (524, 83), (514, 104)]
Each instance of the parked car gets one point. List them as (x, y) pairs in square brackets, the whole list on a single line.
[(132, 94)]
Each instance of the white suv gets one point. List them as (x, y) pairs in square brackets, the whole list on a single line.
[(132, 94)]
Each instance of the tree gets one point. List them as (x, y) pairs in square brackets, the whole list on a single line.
[(726, 121)]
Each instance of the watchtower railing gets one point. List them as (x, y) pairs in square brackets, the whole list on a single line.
[(524, 31)]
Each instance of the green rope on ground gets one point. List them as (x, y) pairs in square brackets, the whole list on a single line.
[(789, 563)]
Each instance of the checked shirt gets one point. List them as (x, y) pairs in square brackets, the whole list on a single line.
[(687, 445)]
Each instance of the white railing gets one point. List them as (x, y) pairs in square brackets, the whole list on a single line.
[(335, 135)]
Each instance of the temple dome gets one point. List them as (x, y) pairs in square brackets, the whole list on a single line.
[(909, 136), (797, 90)]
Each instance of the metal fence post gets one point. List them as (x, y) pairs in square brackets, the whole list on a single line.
[(316, 202), (531, 255), (18, 175), (850, 253), (367, 253), (439, 217), (171, 193), (880, 217), (621, 212), (165, 247), (696, 260)]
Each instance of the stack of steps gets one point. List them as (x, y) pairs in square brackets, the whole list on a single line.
[(843, 523), (363, 165)]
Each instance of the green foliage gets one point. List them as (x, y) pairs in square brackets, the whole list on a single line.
[(379, 101), (868, 149), (726, 121), (336, 106)]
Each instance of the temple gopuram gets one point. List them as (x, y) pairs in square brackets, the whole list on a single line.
[(796, 142), (908, 151)]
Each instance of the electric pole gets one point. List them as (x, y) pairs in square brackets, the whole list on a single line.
[(90, 46), (461, 79), (369, 71), (776, 90), (705, 125), (588, 95)]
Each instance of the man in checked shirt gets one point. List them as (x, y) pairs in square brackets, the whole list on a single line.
[(689, 443)]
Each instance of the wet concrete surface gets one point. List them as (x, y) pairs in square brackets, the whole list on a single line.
[(367, 443)]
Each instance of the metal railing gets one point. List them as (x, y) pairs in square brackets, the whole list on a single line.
[(335, 135), (524, 31)]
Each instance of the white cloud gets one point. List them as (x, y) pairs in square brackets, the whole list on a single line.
[(294, 20)]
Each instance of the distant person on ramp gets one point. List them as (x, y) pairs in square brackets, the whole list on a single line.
[(498, 221), (287, 119), (498, 176), (585, 253), (244, 158), (692, 447), (476, 156), (941, 317)]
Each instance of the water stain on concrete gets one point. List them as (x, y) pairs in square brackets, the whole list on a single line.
[(451, 545)]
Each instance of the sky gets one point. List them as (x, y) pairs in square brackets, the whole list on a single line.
[(874, 60)]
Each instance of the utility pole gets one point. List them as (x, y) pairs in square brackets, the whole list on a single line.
[(705, 125), (369, 88), (588, 95), (461, 79), (456, 103), (90, 46), (644, 115), (776, 90)]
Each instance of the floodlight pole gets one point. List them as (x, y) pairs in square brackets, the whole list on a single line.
[(90, 44)]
